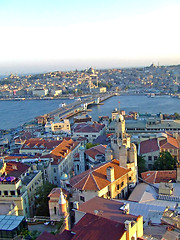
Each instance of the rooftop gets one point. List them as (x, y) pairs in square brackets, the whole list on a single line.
[(106, 208), (96, 179), (9, 223)]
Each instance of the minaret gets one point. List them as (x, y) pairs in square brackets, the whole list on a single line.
[(82, 158), (63, 213)]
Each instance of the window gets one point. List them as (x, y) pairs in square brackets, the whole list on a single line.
[(6, 193), (130, 178), (55, 178), (93, 135), (108, 193), (122, 184), (55, 210), (118, 186), (12, 193), (149, 158), (82, 198), (155, 158), (54, 170)]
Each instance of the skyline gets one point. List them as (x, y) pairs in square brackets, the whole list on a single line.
[(42, 36)]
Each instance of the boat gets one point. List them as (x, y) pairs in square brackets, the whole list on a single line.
[(78, 99), (151, 95), (71, 98), (62, 105)]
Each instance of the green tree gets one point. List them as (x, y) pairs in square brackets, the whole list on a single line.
[(90, 145), (165, 162), (141, 164), (41, 201)]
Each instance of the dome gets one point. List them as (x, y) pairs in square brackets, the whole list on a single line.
[(64, 176), (82, 148)]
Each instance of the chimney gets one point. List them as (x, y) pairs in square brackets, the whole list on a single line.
[(125, 208), (110, 174), (127, 225)]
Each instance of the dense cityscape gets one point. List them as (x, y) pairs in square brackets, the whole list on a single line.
[(152, 79), (65, 176)]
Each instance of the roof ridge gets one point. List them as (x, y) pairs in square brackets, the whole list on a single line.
[(95, 180), (85, 182), (81, 178), (153, 172), (156, 172)]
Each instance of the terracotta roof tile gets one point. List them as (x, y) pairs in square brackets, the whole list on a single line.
[(96, 179), (92, 152), (148, 146), (88, 128), (170, 142), (64, 148), (16, 168), (95, 227), (106, 208), (40, 143), (159, 176)]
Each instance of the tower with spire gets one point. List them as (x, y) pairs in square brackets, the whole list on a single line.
[(123, 149), (63, 212)]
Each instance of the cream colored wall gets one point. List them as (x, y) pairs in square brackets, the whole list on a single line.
[(139, 227), (53, 216), (112, 187), (21, 203), (32, 188)]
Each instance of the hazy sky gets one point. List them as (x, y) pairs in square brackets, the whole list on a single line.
[(44, 35)]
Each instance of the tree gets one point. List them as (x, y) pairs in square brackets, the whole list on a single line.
[(141, 164), (90, 145), (42, 199), (165, 162)]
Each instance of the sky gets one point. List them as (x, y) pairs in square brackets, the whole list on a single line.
[(50, 35)]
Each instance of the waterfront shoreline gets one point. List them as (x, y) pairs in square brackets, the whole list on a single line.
[(17, 113)]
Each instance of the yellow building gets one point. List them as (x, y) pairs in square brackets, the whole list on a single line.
[(18, 183), (109, 180)]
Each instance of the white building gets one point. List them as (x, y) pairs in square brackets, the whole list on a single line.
[(58, 127), (40, 92)]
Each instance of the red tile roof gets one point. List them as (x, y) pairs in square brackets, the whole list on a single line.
[(65, 235), (148, 146), (16, 168), (168, 143), (63, 149), (106, 208), (92, 152), (93, 227), (96, 179), (40, 143), (159, 176), (88, 128)]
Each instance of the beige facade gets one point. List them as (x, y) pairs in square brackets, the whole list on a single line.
[(16, 192), (58, 127)]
